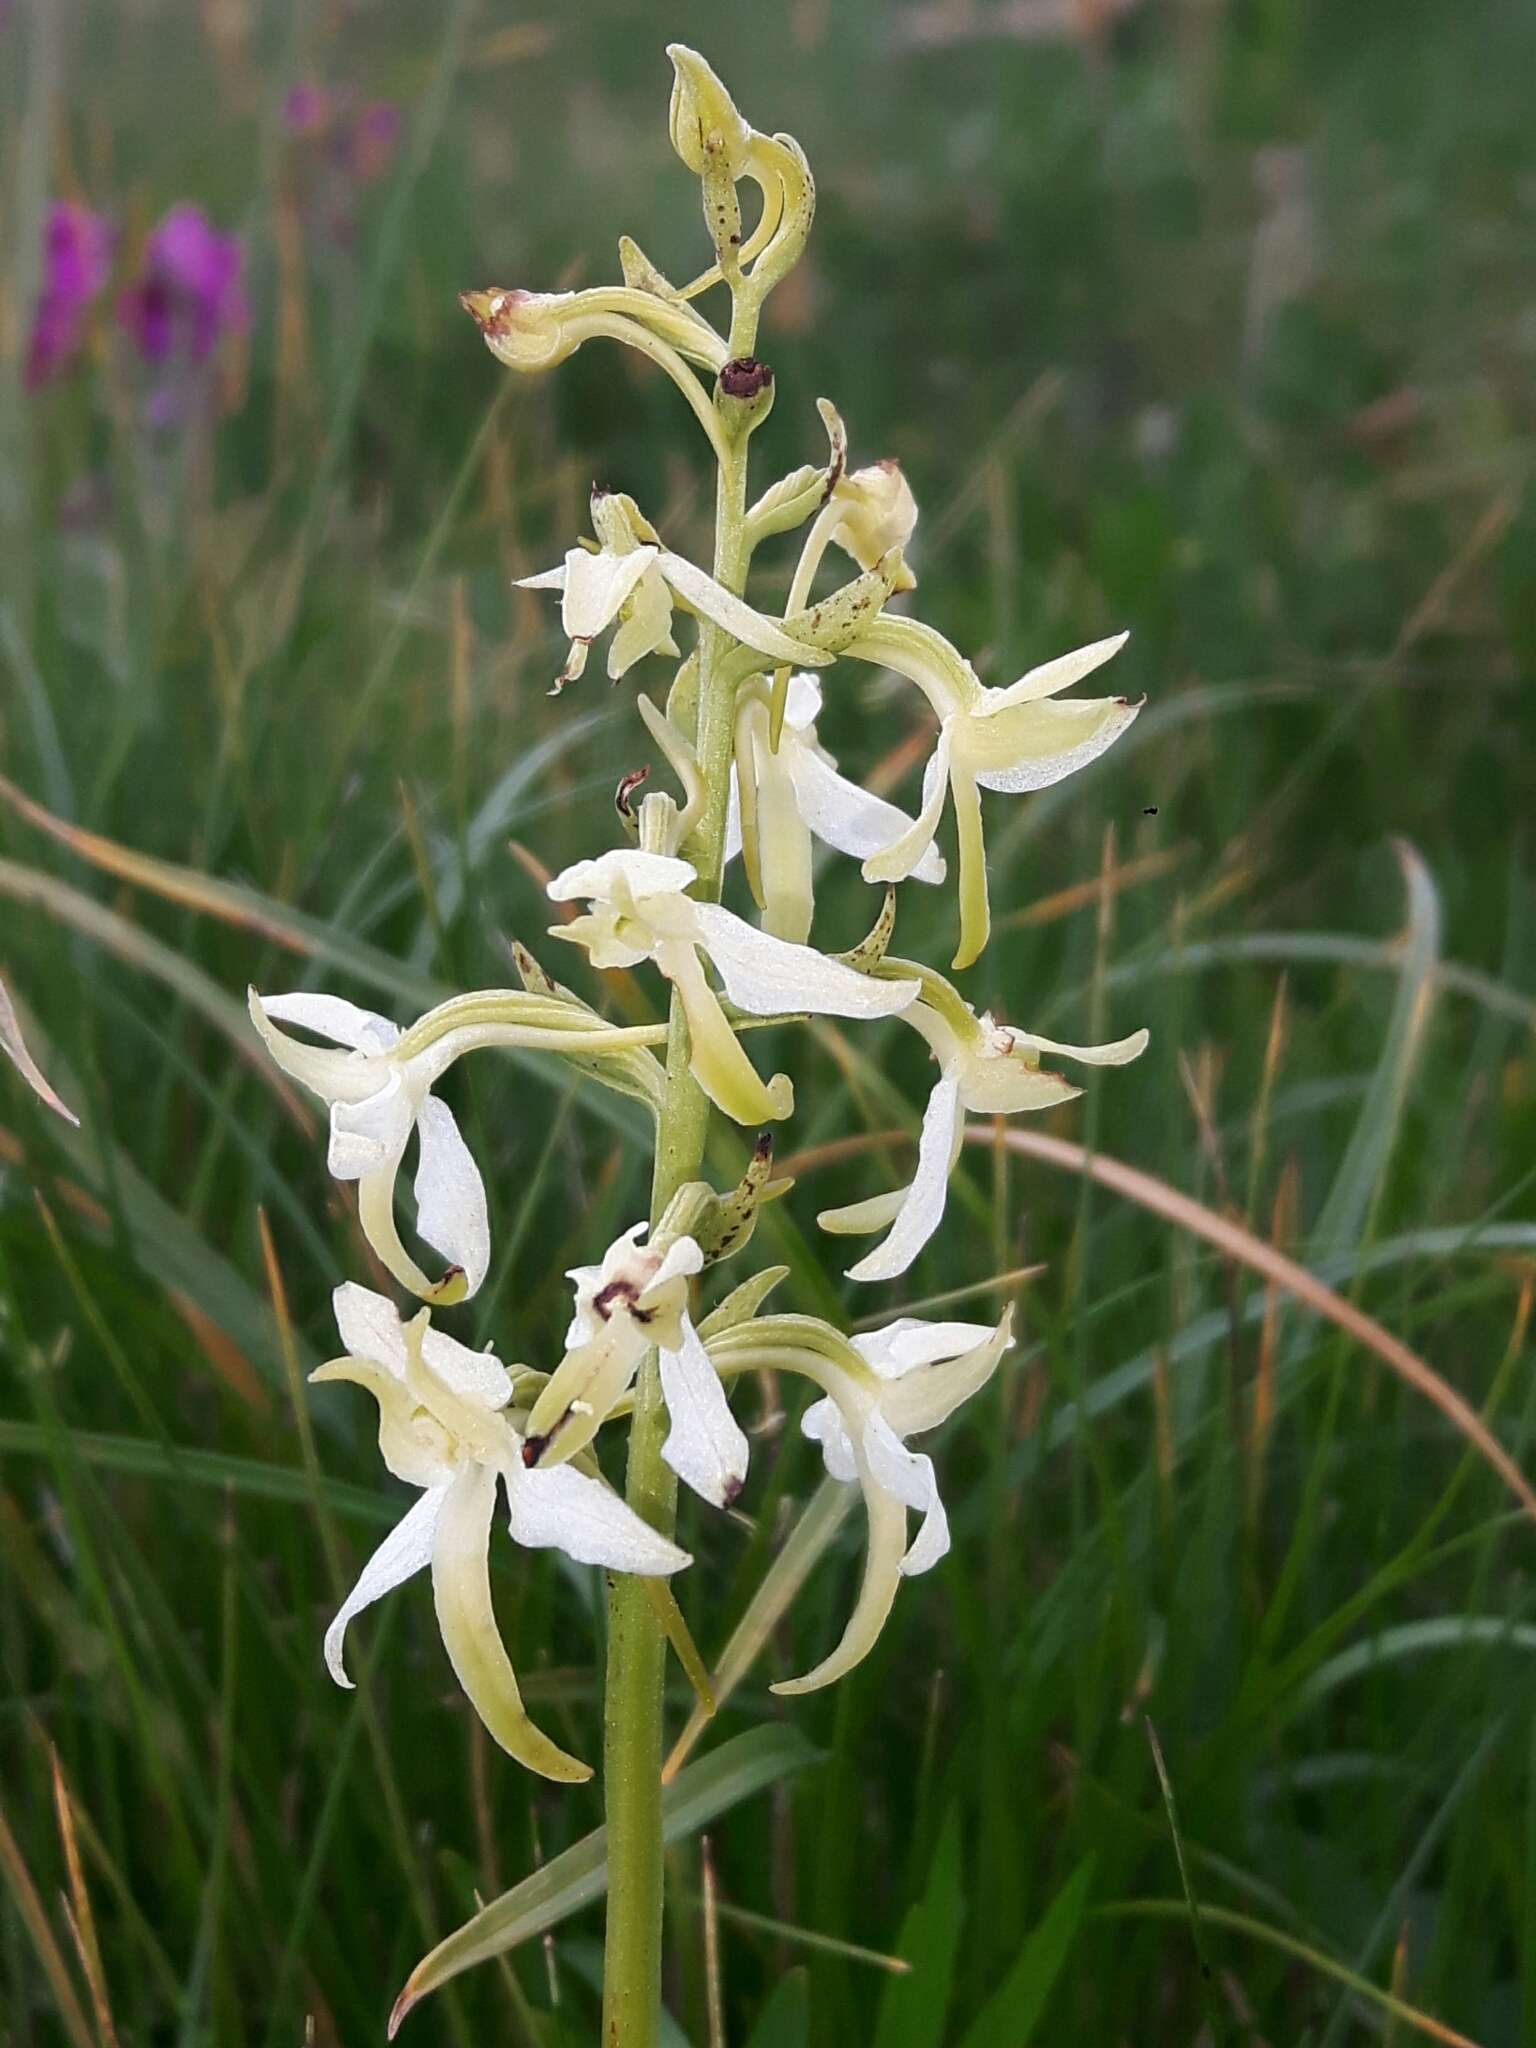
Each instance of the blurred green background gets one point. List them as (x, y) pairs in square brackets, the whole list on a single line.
[(1211, 318)]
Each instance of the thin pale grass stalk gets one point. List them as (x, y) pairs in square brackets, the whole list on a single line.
[(997, 1283), (709, 1906), (1301, 1951), (807, 1937), (29, 1907), (1261, 1412), (1234, 1241), (1186, 1883)]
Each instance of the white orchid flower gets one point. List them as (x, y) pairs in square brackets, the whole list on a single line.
[(379, 1094), (1014, 739), (636, 1298), (880, 1389), (782, 799), (378, 1089), (445, 1426), (633, 579), (640, 910), (986, 1068)]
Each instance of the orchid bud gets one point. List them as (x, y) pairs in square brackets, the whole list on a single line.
[(703, 115), (879, 513), (533, 331)]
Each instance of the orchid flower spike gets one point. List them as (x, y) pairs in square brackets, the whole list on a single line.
[(879, 1389), (986, 1068), (378, 1089), (632, 579), (1014, 739), (636, 1298), (782, 799), (446, 1425), (639, 909)]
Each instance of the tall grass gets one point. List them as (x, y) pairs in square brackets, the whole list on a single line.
[(1216, 1724)]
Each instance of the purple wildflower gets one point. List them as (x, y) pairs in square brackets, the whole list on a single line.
[(307, 109), (191, 290), (374, 137), (77, 256)]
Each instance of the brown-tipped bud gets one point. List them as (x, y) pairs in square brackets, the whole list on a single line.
[(743, 395), (745, 377), (524, 330)]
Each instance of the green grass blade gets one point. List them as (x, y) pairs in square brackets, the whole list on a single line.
[(1011, 2015), (579, 1875)]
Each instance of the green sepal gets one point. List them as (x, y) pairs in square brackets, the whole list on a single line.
[(743, 1302)]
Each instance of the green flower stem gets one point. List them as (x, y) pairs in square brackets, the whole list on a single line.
[(632, 1701)]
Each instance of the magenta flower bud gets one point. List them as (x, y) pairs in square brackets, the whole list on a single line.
[(191, 291), (77, 257)]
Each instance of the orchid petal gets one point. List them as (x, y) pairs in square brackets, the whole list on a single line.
[(909, 1475), (477, 1376), (556, 1507), (802, 701), (680, 1261), (333, 1017), (924, 1398), (922, 1208), (716, 1056), (646, 630), (328, 1071), (877, 1592), (822, 1422), (767, 976), (858, 1219), (370, 1136), (414, 1448), (376, 1213), (450, 1195), (733, 819), (975, 910), (783, 835), (461, 1593), (705, 1446), (596, 587), (1059, 674), (901, 1347), (1030, 746), (1118, 1053), (403, 1553), (547, 579), (844, 815), (370, 1326), (904, 854), (642, 874), (737, 617), (576, 1400)]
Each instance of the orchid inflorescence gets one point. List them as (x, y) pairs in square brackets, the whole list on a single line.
[(738, 729)]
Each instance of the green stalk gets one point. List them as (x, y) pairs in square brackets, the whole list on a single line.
[(633, 1694)]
